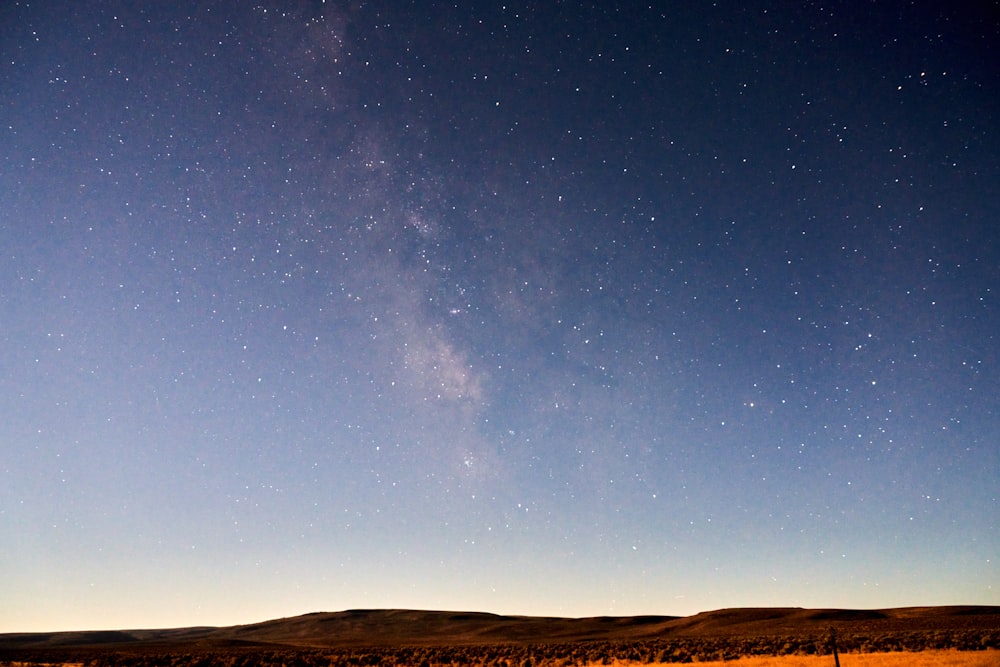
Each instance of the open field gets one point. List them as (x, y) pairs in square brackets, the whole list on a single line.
[(500, 656), (755, 637), (990, 658), (931, 658)]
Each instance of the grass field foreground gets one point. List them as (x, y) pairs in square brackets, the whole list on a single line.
[(929, 658)]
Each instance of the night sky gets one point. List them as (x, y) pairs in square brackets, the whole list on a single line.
[(546, 308)]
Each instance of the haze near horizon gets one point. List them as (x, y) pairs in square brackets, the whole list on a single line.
[(568, 310)]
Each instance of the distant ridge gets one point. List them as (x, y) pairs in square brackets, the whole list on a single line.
[(402, 627)]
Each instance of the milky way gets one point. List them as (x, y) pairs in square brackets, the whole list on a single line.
[(563, 310)]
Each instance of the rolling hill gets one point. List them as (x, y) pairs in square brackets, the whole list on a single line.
[(399, 627)]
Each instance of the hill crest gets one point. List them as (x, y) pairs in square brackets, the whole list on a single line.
[(406, 627)]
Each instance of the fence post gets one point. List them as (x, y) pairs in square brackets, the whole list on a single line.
[(833, 643)]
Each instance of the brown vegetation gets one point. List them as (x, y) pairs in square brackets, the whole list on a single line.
[(930, 658), (393, 638)]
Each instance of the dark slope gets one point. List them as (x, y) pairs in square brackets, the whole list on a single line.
[(385, 627), (399, 627)]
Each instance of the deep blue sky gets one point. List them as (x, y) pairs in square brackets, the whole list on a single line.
[(536, 308)]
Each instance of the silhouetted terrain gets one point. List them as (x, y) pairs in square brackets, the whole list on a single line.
[(401, 628)]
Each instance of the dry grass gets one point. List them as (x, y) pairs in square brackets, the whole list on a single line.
[(933, 658)]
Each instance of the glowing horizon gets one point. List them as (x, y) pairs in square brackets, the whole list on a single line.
[(535, 311)]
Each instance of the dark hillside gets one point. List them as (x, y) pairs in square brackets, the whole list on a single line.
[(394, 628)]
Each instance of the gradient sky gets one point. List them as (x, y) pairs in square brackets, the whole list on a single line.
[(534, 308)]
